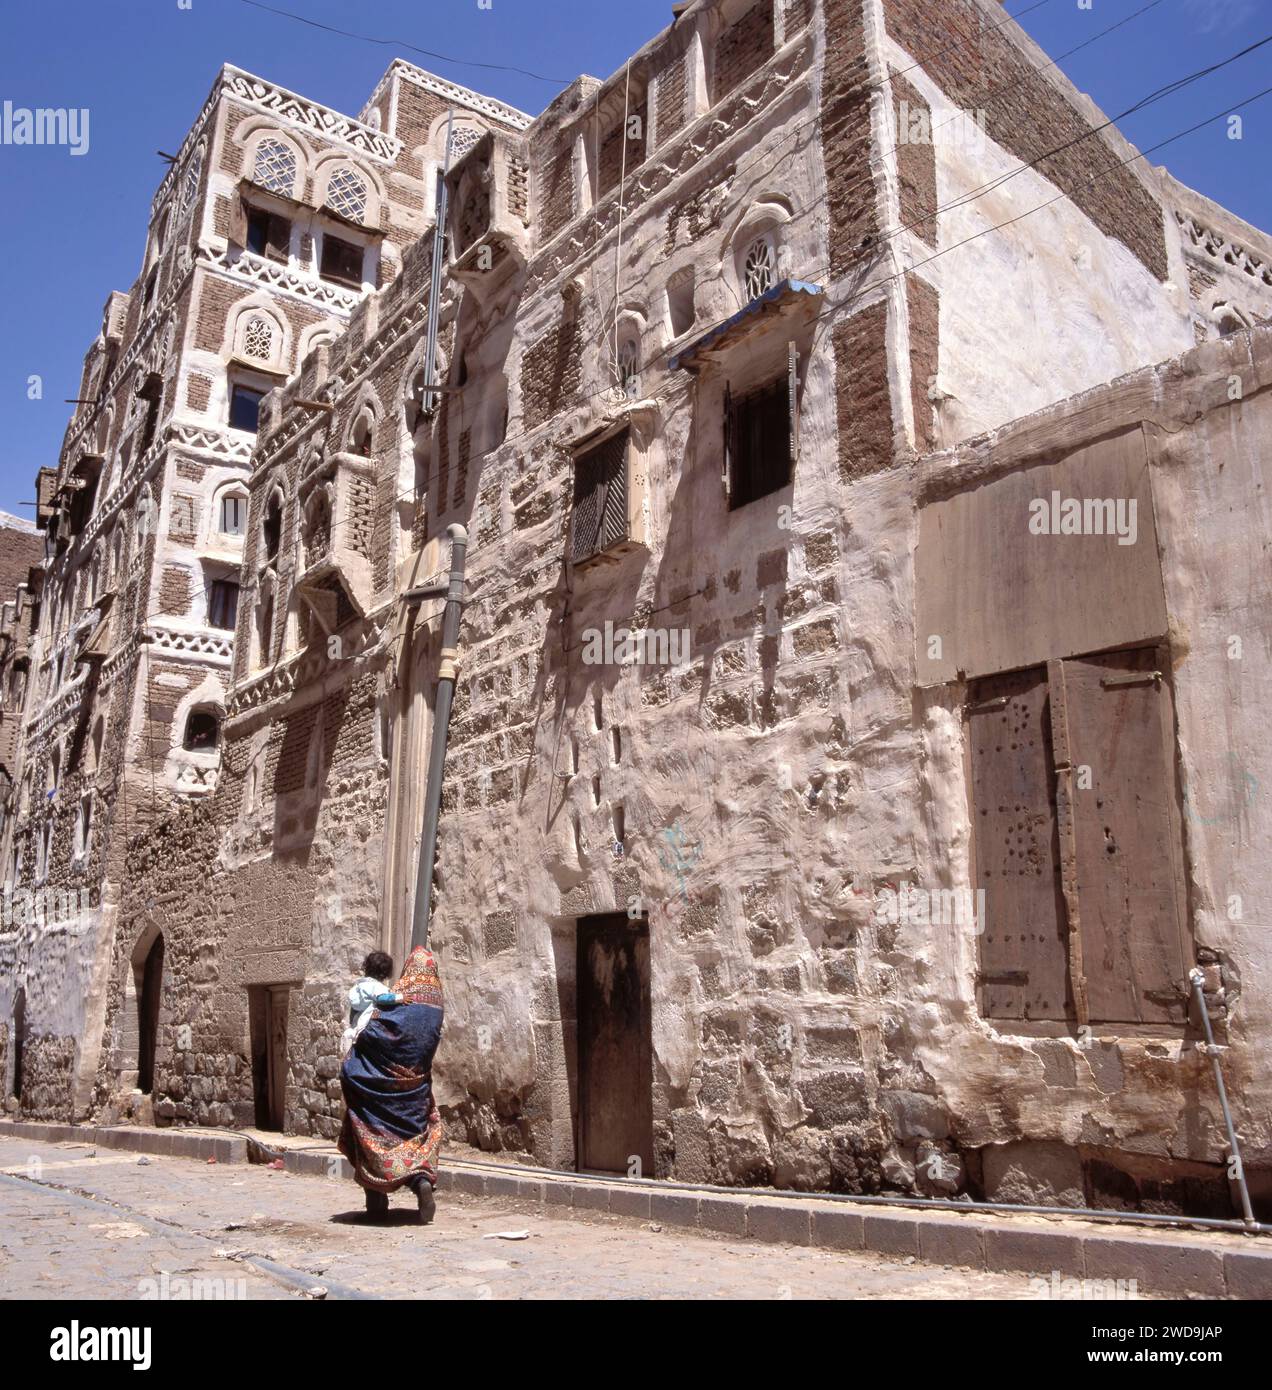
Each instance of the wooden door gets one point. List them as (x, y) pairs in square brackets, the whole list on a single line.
[(1024, 951), (615, 1090), (1127, 836), (276, 1004), (148, 1016)]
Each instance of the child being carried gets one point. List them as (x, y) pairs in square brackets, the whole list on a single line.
[(368, 994)]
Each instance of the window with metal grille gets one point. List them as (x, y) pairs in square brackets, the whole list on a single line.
[(341, 261), (223, 604), (758, 442), (275, 167), (600, 498)]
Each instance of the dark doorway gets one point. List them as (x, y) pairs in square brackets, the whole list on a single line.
[(148, 999), (267, 1007), (19, 1040), (616, 1118)]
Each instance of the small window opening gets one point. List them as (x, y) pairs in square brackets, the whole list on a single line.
[(272, 527), (758, 427), (223, 604), (233, 514), (245, 409), (341, 262), (202, 731)]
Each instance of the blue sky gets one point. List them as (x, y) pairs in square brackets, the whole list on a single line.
[(73, 227)]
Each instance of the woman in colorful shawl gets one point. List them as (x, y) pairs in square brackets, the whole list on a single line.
[(392, 1132)]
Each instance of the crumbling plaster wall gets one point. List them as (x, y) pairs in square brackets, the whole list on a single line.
[(1039, 308), (1089, 1119)]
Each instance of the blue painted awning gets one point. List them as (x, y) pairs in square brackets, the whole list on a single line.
[(783, 295)]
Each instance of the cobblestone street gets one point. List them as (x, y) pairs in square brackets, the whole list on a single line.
[(80, 1223)]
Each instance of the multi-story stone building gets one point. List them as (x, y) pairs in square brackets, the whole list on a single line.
[(730, 348), (277, 218)]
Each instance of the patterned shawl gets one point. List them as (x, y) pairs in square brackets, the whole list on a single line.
[(392, 1132)]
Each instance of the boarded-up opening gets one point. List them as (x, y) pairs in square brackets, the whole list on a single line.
[(615, 1120), (149, 998), (1077, 842), (267, 1011)]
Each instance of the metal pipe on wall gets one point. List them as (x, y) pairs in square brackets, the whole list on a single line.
[(447, 673), (1197, 979)]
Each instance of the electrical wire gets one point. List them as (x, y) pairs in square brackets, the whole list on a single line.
[(561, 82)]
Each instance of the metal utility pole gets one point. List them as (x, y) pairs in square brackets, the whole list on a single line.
[(448, 668), (447, 672), (429, 400)]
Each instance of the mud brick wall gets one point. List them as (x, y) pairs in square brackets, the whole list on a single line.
[(550, 372), (672, 96), (553, 165), (981, 67), (620, 154), (798, 13), (845, 111), (19, 551), (863, 398), (174, 590), (916, 160), (743, 48), (924, 306)]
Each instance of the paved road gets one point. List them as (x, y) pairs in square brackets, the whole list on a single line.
[(80, 1223)]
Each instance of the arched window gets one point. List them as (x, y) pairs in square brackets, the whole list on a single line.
[(317, 526), (55, 770), (760, 267), (144, 521), (347, 195), (202, 730), (161, 235), (265, 624), (193, 173), (463, 138), (258, 338), (116, 555), (360, 437), (272, 528), (95, 743), (628, 366), (275, 167)]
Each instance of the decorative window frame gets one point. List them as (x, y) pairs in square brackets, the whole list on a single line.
[(189, 771), (253, 136), (216, 537), (764, 220), (234, 346)]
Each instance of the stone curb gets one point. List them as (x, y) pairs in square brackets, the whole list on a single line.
[(173, 1143), (1161, 1262)]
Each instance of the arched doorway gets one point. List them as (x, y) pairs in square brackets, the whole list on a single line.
[(149, 994)]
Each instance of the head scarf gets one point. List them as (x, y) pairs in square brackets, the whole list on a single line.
[(419, 982)]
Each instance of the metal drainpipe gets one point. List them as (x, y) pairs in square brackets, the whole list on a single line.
[(1197, 979), (447, 672)]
